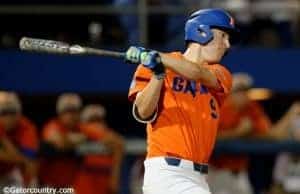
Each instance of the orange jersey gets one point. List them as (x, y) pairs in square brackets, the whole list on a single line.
[(57, 171), (96, 133), (24, 137), (92, 182), (230, 119), (94, 175), (188, 113)]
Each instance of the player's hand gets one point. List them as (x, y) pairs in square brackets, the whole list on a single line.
[(149, 58), (152, 61), (244, 128), (133, 54), (75, 138)]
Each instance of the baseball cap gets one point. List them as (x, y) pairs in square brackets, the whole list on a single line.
[(68, 102), (9, 103), (241, 81), (93, 112)]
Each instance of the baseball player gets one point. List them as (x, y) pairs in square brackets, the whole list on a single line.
[(99, 172), (62, 134), (179, 96), (19, 144), (243, 117), (240, 118)]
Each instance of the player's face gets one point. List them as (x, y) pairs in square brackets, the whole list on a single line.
[(70, 118), (215, 49), (9, 120), (240, 98)]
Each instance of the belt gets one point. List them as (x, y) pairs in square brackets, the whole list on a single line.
[(202, 168)]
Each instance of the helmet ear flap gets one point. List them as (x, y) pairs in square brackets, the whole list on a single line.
[(205, 34), (200, 33)]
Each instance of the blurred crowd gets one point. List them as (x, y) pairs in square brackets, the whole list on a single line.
[(78, 149), (75, 149), (244, 118), (262, 23)]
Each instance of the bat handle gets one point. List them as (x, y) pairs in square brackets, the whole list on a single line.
[(106, 53)]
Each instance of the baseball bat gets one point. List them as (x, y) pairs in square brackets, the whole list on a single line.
[(57, 47)]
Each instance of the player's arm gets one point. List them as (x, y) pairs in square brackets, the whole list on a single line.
[(242, 130), (73, 139), (58, 140), (145, 104), (53, 137), (279, 130), (116, 143), (9, 153), (146, 101), (113, 142), (186, 68), (191, 70)]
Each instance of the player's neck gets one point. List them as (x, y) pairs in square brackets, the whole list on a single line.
[(193, 54)]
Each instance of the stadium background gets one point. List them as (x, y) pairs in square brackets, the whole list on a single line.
[(268, 51)]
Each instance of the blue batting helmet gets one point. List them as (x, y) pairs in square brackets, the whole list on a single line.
[(199, 25)]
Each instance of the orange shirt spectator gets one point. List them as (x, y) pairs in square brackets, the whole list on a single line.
[(60, 170), (19, 140), (99, 172), (231, 122), (62, 135)]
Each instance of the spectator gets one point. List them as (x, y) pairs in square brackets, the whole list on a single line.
[(243, 118), (287, 166), (99, 172), (62, 135), (19, 144)]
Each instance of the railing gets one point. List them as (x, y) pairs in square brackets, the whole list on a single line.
[(232, 147)]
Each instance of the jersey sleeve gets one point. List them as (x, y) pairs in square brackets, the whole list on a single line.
[(50, 130), (224, 78), (261, 122), (140, 79)]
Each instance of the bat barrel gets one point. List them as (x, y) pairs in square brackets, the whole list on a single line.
[(57, 47), (46, 46)]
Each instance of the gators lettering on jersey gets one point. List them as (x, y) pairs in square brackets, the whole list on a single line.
[(188, 115)]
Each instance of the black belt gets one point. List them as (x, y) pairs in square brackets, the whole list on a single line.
[(202, 168)]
